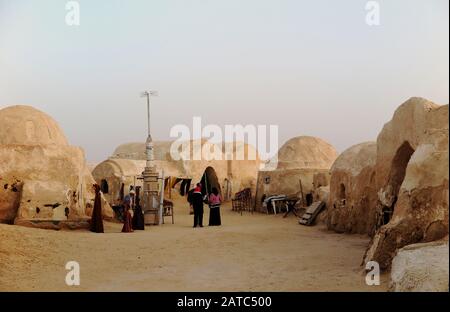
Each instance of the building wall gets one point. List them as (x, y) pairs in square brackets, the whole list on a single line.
[(285, 182)]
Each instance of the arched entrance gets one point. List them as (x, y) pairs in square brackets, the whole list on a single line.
[(104, 186), (396, 177), (209, 180)]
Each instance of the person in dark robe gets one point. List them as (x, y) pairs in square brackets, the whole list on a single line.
[(197, 203), (96, 224), (128, 217), (138, 216), (214, 207), (189, 199), (127, 223)]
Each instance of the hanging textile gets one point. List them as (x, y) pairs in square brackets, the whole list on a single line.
[(188, 186), (183, 187), (175, 181)]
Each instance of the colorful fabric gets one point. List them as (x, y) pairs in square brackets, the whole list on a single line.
[(214, 199)]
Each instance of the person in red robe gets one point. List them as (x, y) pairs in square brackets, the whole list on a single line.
[(128, 216), (96, 224)]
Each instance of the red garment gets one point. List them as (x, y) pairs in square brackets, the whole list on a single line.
[(127, 224), (198, 189)]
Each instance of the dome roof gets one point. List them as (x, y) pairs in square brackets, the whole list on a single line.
[(356, 158), (25, 125), (306, 152), (136, 150), (240, 151)]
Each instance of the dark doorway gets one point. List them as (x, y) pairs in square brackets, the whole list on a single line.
[(122, 192), (342, 194), (104, 186), (398, 168), (209, 180), (342, 191), (396, 177)]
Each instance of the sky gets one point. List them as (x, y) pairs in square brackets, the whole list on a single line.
[(311, 67)]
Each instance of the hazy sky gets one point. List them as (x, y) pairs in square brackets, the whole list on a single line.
[(311, 67)]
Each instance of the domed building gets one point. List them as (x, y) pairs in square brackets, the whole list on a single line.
[(411, 180), (25, 125), (294, 168), (44, 181), (306, 152), (353, 196)]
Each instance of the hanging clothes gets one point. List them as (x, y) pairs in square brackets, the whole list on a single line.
[(188, 185), (175, 181), (182, 187), (185, 186)]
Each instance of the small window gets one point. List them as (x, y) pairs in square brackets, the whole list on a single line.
[(267, 180)]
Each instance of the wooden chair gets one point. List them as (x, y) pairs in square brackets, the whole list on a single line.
[(168, 210)]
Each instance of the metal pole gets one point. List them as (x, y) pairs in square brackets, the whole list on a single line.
[(161, 203), (148, 112)]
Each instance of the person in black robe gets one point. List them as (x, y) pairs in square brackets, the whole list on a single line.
[(96, 224), (214, 207), (197, 203), (189, 199), (138, 216)]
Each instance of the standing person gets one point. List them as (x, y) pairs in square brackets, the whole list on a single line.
[(197, 203), (138, 216), (128, 213), (96, 219), (189, 199), (214, 207)]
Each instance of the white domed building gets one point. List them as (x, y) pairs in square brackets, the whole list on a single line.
[(44, 181)]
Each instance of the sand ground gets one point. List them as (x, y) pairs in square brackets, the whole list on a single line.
[(247, 253)]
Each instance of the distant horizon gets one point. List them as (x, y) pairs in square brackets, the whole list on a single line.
[(313, 68), (93, 161)]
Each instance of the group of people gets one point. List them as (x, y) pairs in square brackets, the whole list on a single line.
[(133, 218), (196, 199)]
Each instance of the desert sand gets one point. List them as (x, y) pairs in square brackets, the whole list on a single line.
[(249, 252)]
